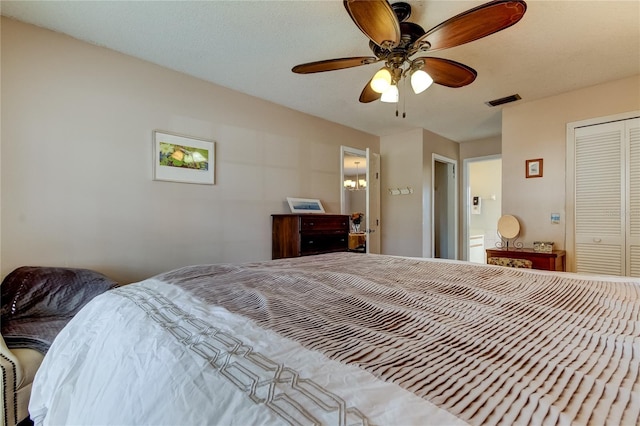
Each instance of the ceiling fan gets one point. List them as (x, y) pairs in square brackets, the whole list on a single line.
[(395, 41)]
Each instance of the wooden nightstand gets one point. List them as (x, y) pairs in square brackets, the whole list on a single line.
[(358, 242), (554, 261)]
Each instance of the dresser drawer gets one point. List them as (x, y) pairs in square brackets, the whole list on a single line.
[(322, 243), (319, 223)]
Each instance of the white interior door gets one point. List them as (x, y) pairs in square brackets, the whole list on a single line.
[(603, 195), (633, 198), (372, 215), (599, 199)]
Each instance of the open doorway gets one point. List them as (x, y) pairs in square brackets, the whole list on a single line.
[(482, 205), (445, 208)]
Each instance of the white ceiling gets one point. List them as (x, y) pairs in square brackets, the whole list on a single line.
[(251, 46)]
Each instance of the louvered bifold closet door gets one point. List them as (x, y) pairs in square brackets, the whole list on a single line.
[(633, 206), (600, 199)]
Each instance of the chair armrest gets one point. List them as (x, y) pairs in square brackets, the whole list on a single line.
[(11, 379), (11, 358), (19, 367)]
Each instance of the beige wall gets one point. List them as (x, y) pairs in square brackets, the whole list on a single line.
[(406, 161), (537, 129), (401, 215), (76, 169), (481, 147)]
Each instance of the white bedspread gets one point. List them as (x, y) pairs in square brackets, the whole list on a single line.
[(349, 339), (200, 365)]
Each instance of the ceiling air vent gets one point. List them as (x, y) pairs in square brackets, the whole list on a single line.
[(502, 101)]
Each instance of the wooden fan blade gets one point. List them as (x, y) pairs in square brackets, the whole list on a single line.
[(333, 64), (447, 72), (368, 94), (377, 20), (473, 24)]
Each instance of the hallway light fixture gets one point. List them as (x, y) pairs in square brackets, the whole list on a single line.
[(358, 184)]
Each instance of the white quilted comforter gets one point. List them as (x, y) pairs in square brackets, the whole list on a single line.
[(349, 339)]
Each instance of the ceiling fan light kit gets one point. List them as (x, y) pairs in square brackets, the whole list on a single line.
[(420, 81), (395, 41), (391, 95), (381, 80)]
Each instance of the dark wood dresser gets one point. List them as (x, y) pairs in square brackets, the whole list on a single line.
[(295, 235), (554, 261)]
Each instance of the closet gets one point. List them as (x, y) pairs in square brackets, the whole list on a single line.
[(607, 197)]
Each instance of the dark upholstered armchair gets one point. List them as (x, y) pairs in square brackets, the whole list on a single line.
[(37, 302)]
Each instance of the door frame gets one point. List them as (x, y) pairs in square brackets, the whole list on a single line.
[(466, 200), (452, 186)]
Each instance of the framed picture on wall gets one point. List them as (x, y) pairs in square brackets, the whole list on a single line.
[(178, 158), (534, 168)]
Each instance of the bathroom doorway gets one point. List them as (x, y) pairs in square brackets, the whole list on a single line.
[(482, 205)]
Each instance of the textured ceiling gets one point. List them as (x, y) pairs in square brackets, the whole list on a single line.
[(251, 46)]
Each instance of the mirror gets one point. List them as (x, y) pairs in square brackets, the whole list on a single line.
[(508, 229), (354, 195), (354, 186), (508, 226)]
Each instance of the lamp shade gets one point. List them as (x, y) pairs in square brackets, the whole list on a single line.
[(381, 81), (390, 95), (420, 81)]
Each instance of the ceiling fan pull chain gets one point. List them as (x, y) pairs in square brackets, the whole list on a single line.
[(404, 98), (398, 99)]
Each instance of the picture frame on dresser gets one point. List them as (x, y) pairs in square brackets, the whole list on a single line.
[(305, 205)]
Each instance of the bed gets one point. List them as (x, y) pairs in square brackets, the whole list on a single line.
[(349, 339)]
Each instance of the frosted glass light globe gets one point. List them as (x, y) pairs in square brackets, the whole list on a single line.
[(381, 81), (420, 81), (391, 95)]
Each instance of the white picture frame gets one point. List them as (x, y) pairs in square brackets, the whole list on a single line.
[(305, 205), (179, 158)]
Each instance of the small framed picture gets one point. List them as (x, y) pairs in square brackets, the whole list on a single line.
[(534, 168), (184, 159), (305, 205)]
